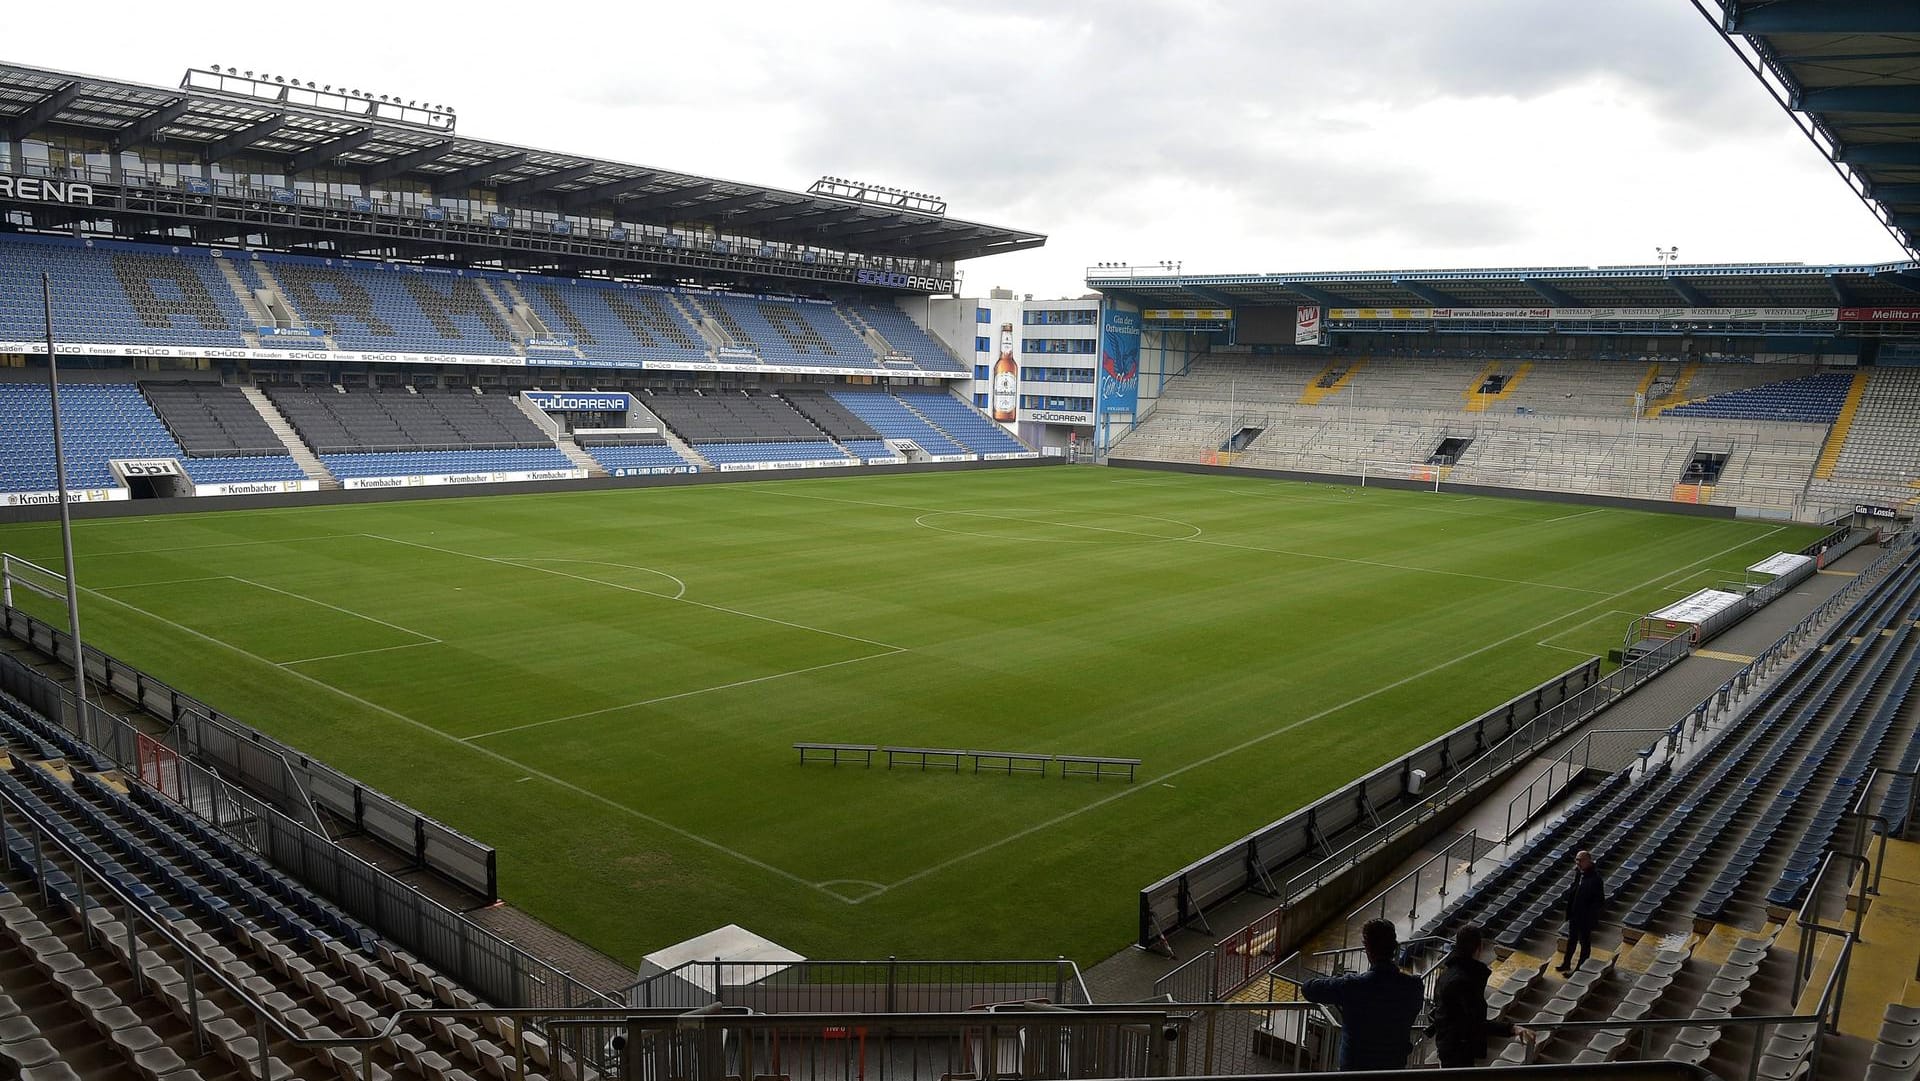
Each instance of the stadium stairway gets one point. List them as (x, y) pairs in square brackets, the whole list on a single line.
[(1708, 855), (320, 972), (309, 462)]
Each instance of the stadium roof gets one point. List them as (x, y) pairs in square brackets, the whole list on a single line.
[(1782, 285), (220, 126), (1849, 73)]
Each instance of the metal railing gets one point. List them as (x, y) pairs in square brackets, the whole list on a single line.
[(281, 775), (1544, 789), (887, 986), (1414, 886), (497, 969)]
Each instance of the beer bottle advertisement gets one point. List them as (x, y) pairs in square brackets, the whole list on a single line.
[(1006, 380)]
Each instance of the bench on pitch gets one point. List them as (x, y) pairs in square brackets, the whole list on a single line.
[(926, 755), (1012, 760), (832, 752), (1094, 766)]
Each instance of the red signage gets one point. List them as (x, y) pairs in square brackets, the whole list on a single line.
[(1880, 315)]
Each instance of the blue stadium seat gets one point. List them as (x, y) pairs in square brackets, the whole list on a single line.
[(103, 422), (1811, 399)]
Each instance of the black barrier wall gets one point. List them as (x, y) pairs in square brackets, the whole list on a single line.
[(1248, 863), (268, 769)]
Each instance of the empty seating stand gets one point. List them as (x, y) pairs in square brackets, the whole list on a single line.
[(103, 422), (112, 293), (126, 977), (375, 306), (738, 429), (627, 454), (962, 422), (891, 418), (1814, 399)]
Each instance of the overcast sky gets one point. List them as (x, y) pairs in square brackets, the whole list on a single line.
[(1240, 136)]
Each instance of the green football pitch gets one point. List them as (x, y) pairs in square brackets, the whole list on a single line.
[(606, 686)]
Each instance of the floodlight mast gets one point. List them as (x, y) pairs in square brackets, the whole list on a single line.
[(66, 513)]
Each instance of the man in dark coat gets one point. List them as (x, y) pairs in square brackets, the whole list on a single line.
[(1585, 898), (1460, 1025), (1377, 1007)]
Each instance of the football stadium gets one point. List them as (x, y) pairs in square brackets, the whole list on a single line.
[(475, 611)]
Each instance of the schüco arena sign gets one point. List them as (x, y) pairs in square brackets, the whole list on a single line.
[(38, 190)]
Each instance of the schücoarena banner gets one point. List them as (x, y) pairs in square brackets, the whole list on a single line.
[(1306, 324), (1119, 360)]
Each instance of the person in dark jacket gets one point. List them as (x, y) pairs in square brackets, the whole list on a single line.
[(1585, 898), (1460, 1025), (1377, 1007)]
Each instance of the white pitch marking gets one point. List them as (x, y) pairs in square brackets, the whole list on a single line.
[(641, 592), (360, 652), (426, 639), (1290, 726), (477, 749), (604, 563), (171, 582), (1196, 538), (682, 694)]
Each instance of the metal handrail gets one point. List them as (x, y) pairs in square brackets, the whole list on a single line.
[(1584, 744), (1470, 839)]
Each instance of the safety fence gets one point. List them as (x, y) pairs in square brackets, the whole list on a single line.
[(889, 986), (271, 770), (1473, 750), (492, 967)]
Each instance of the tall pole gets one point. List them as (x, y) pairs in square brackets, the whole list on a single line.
[(66, 516)]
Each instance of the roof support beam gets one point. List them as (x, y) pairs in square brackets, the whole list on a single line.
[(474, 174), (719, 209), (771, 213), (1687, 292), (1213, 295), (520, 189), (1556, 297), (319, 154), (1861, 99), (1880, 154), (665, 198), (149, 125), (405, 163), (1825, 17), (1428, 293), (1896, 193), (1905, 279), (1324, 298), (574, 200), (240, 140), (38, 116)]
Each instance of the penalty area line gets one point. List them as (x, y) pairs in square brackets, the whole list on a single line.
[(527, 770)]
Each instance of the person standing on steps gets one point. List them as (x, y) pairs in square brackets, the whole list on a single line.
[(1460, 1025), (1377, 1007), (1585, 898)]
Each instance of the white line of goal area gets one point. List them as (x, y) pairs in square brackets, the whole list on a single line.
[(1152, 784), (496, 756), (1196, 538), (1589, 621), (424, 638)]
